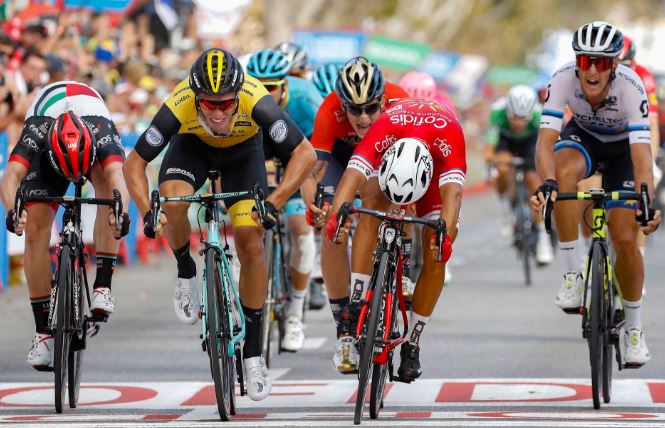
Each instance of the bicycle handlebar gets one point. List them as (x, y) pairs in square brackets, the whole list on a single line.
[(599, 197), (439, 225)]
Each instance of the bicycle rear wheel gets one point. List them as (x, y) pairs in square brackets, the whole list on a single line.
[(597, 322), (77, 346), (524, 230), (62, 324), (217, 322), (367, 346)]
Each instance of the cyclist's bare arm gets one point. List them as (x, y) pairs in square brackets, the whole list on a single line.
[(545, 156), (655, 134), (308, 188), (115, 180), (302, 159), (640, 154), (134, 170), (451, 203), (14, 173)]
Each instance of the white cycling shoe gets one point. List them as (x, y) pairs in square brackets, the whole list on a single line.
[(186, 300), (41, 350), (636, 353), (102, 301), (294, 337), (346, 355), (570, 294), (257, 378)]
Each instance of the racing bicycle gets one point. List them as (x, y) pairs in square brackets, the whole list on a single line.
[(602, 309), (377, 330), (220, 311), (70, 320)]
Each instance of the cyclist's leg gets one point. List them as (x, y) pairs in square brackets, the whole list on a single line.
[(302, 254), (503, 184), (41, 180), (364, 239), (574, 161), (106, 246), (241, 167), (183, 170)]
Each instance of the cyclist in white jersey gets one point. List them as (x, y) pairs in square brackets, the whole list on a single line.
[(609, 129)]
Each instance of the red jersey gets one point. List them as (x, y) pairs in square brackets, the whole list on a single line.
[(331, 124), (417, 118), (650, 86)]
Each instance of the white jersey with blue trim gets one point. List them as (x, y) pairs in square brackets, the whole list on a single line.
[(59, 97), (623, 114)]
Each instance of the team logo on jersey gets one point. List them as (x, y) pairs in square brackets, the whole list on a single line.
[(153, 136), (382, 145), (243, 123), (278, 131), (446, 149)]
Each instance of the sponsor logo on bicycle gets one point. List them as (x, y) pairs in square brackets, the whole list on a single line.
[(153, 136), (278, 131), (32, 144)]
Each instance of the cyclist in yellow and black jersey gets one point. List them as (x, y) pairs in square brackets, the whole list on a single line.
[(217, 119)]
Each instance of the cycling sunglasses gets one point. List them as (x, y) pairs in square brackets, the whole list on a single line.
[(602, 62), (271, 86), (218, 105), (357, 110)]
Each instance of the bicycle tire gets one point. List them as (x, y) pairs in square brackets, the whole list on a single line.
[(595, 336), (608, 349), (268, 305), (526, 243), (380, 373), (367, 353), (216, 321), (75, 359), (62, 323)]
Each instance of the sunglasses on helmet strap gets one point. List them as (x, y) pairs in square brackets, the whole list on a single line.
[(272, 85), (357, 110), (602, 63)]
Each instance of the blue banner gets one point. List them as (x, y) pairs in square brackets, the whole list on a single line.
[(330, 46), (439, 64), (100, 5)]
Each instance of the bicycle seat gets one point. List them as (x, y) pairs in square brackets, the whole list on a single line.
[(213, 174)]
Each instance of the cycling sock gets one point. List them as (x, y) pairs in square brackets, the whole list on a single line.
[(416, 325), (570, 253), (40, 309), (105, 266), (253, 320), (359, 284), (406, 268), (186, 264), (297, 303), (633, 313), (336, 306)]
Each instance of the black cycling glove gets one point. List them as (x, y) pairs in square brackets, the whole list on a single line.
[(548, 187), (269, 219), (148, 225), (124, 227), (9, 221)]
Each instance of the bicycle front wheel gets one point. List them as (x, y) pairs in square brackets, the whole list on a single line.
[(268, 324), (62, 325), (524, 230), (372, 332), (597, 321), (217, 322), (77, 346), (380, 371)]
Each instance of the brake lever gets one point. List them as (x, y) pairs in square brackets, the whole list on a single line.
[(440, 237), (547, 213), (645, 203), (342, 216), (318, 201), (155, 209), (258, 201), (117, 209), (19, 203)]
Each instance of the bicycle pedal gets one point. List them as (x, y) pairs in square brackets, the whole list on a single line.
[(99, 317), (44, 368), (204, 346), (573, 311), (632, 365), (402, 379)]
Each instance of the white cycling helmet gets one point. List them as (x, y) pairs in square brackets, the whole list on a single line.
[(598, 38), (406, 171), (521, 101)]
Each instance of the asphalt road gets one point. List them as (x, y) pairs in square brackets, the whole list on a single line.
[(488, 328)]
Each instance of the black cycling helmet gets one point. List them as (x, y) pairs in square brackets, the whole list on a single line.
[(359, 81), (216, 72)]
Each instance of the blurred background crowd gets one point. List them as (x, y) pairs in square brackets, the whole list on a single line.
[(135, 51)]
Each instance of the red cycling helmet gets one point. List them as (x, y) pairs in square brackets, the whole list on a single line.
[(71, 146), (628, 54)]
